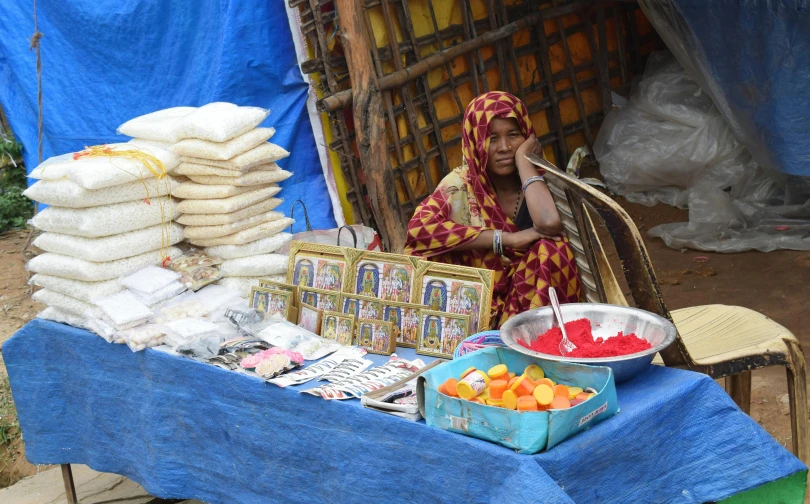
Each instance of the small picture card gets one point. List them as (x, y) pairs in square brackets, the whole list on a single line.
[(376, 336), (338, 326), (321, 299), (309, 317), (442, 333), (405, 321), (271, 284), (363, 307), (275, 303), (319, 266)]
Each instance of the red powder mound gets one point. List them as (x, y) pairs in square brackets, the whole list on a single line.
[(579, 332)]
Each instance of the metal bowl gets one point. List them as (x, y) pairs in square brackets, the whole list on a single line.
[(606, 321)]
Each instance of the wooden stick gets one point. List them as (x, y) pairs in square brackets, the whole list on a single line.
[(370, 127)]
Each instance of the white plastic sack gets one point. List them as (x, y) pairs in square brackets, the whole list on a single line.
[(65, 193), (106, 220), (65, 303), (246, 235), (111, 248), (149, 279), (191, 190), (79, 269), (209, 232), (54, 314), (227, 205), (670, 144), (83, 291), (263, 154), (243, 285), (227, 218), (220, 121), (124, 308), (222, 151), (259, 265), (143, 142), (161, 125), (263, 246), (97, 172), (196, 169), (251, 178)]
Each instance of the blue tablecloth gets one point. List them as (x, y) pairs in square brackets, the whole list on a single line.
[(184, 429)]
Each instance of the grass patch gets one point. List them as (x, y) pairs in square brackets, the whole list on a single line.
[(9, 428)]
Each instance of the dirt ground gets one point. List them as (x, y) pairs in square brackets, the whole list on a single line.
[(771, 283)]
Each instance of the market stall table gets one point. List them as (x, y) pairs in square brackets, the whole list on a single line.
[(184, 429)]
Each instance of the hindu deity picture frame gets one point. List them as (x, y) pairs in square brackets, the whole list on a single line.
[(316, 266), (456, 289), (321, 299), (375, 336), (274, 302), (441, 333), (338, 326), (405, 321), (362, 307), (272, 284), (310, 317), (389, 277)]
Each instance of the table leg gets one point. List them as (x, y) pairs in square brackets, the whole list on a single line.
[(70, 488)]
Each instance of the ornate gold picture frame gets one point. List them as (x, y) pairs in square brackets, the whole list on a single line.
[(375, 336), (389, 277), (441, 333), (316, 266), (339, 327), (274, 302), (405, 321), (456, 289)]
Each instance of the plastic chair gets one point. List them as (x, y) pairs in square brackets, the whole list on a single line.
[(717, 340)]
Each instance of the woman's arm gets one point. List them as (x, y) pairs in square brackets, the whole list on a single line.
[(538, 199)]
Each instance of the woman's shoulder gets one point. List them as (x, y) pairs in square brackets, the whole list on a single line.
[(456, 178)]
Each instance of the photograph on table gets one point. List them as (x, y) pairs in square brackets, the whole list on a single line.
[(375, 336), (275, 303), (362, 307), (441, 333), (319, 266), (271, 284), (309, 317), (338, 326), (405, 322), (457, 289), (322, 299), (385, 276)]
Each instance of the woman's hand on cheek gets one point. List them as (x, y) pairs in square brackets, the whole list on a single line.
[(529, 146)]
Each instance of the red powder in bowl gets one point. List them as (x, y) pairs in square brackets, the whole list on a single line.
[(579, 332)]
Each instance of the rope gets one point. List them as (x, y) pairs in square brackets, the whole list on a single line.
[(35, 38)]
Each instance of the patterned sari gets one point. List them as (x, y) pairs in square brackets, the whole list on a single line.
[(464, 204)]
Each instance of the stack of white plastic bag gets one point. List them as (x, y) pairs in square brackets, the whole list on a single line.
[(229, 185), (109, 216)]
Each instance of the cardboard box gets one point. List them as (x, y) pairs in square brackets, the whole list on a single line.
[(528, 431)]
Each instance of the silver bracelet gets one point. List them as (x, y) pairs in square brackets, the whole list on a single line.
[(532, 180), (495, 242)]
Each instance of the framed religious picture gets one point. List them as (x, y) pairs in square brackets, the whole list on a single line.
[(375, 336), (321, 299), (338, 327), (362, 307), (317, 266), (385, 276), (442, 333), (405, 322), (457, 289), (309, 317), (271, 284), (276, 303)]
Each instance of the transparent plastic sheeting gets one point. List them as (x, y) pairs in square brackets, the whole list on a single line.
[(670, 143)]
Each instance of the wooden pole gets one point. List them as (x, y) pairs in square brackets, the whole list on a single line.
[(369, 126)]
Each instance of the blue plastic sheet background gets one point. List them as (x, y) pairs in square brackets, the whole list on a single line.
[(185, 429), (107, 61), (753, 58)]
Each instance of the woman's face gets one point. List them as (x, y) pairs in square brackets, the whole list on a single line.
[(504, 139)]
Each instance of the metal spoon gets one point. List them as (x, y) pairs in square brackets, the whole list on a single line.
[(566, 345)]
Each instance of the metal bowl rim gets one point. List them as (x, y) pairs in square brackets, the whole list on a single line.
[(670, 333)]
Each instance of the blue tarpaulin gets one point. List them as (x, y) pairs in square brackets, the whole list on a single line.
[(107, 61), (753, 58), (185, 429)]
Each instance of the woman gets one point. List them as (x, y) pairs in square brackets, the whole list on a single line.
[(495, 212)]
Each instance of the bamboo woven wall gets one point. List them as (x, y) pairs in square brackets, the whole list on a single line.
[(563, 67)]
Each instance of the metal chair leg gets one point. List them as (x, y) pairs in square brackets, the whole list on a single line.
[(70, 488), (738, 387)]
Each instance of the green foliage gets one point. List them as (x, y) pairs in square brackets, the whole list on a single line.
[(15, 209)]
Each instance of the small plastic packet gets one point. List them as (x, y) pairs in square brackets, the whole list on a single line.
[(196, 268), (151, 299), (184, 331), (142, 337), (124, 308), (149, 279), (288, 336)]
